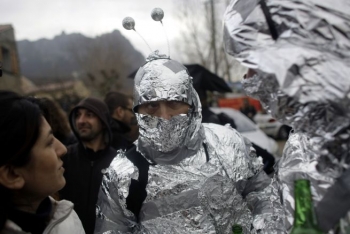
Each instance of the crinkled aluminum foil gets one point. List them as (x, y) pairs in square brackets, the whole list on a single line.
[(185, 192), (305, 70), (128, 23), (299, 162), (196, 196), (168, 141), (303, 78), (163, 79), (166, 135), (157, 14), (112, 215)]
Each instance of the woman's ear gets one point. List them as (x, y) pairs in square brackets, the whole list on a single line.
[(11, 178)]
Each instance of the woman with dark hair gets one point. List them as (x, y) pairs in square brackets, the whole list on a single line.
[(57, 119), (30, 170)]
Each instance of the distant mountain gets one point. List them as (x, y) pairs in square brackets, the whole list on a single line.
[(69, 56)]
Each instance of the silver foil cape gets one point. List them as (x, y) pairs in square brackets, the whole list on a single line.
[(303, 78), (195, 196)]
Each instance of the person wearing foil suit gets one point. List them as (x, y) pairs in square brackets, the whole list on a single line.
[(182, 176), (298, 55)]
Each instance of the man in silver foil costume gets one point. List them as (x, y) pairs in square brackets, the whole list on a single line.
[(183, 176), (298, 55)]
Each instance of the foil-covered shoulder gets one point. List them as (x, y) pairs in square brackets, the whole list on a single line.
[(237, 158), (233, 150)]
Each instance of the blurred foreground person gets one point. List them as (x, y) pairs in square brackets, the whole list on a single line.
[(298, 55), (183, 176), (124, 124), (86, 159), (30, 170)]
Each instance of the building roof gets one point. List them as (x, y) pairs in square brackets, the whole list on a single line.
[(27, 85), (5, 27)]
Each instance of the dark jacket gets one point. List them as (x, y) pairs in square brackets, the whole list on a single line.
[(209, 117), (68, 139), (249, 111), (222, 119), (119, 131), (83, 167)]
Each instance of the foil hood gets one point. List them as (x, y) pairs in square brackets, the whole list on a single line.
[(167, 141)]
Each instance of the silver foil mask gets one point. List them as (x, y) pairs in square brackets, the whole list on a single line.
[(162, 134), (167, 141)]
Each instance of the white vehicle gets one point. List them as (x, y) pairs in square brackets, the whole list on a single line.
[(249, 129), (272, 127)]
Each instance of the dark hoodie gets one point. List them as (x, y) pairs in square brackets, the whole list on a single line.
[(119, 131), (83, 166)]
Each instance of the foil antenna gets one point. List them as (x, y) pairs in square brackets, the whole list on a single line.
[(129, 24), (157, 14)]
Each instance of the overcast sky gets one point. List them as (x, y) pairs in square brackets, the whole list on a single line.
[(35, 19)]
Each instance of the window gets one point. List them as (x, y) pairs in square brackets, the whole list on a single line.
[(6, 60)]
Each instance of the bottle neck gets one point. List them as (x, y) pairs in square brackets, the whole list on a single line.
[(304, 210)]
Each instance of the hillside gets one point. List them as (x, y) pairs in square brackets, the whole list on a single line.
[(75, 56)]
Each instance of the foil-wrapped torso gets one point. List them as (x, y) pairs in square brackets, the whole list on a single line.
[(204, 193)]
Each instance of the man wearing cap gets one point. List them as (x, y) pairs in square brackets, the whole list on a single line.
[(86, 159), (183, 176)]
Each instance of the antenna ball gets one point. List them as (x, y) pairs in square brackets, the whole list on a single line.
[(129, 23), (157, 14)]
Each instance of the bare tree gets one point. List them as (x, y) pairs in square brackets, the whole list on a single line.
[(202, 37), (110, 81), (105, 62), (100, 68)]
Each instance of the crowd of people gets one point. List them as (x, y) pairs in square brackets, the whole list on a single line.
[(162, 162)]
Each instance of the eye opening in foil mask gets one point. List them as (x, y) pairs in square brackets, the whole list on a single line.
[(165, 109)]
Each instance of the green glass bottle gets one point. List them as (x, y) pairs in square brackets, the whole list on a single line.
[(304, 215), (237, 229)]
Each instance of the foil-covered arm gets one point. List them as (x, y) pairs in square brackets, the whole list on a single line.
[(245, 169), (110, 217), (262, 197), (111, 213)]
